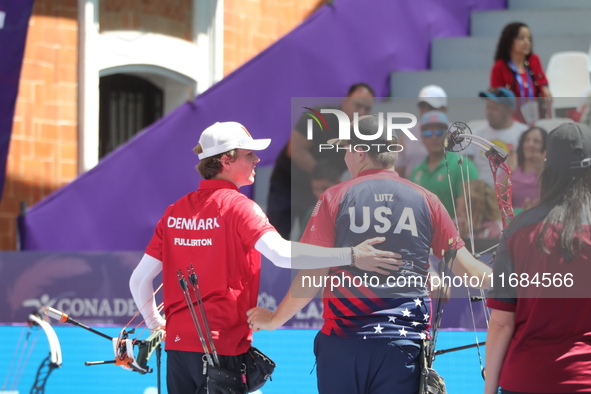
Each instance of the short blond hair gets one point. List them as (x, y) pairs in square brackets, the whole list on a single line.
[(385, 159)]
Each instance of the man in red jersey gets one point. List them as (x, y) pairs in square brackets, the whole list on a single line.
[(222, 233)]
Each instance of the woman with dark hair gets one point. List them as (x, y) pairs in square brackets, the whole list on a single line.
[(531, 153), (539, 337), (518, 69)]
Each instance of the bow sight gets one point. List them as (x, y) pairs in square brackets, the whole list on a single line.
[(455, 140), (459, 137)]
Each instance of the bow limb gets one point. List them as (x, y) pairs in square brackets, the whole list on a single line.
[(52, 361)]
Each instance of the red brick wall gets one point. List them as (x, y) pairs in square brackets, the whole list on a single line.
[(43, 147), (252, 25)]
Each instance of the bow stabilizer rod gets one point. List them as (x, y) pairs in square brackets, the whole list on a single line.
[(64, 318)]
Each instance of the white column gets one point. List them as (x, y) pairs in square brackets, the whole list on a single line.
[(208, 28), (88, 85)]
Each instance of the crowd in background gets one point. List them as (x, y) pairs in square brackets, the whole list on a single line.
[(517, 97), (549, 238), (441, 195)]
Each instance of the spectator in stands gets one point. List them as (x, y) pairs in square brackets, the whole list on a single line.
[(431, 98), (297, 159), (531, 154), (486, 218), (518, 69), (432, 173), (501, 130)]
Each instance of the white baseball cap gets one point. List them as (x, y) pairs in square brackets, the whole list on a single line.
[(433, 95), (224, 136)]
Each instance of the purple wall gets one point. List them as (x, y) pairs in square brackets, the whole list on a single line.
[(14, 23)]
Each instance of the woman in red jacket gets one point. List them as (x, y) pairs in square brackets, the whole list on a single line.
[(519, 69)]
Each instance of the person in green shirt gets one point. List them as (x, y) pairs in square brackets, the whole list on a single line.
[(432, 172)]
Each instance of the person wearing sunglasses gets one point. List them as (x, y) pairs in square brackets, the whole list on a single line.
[(431, 98), (432, 172)]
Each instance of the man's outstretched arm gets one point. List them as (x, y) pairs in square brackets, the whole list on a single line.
[(297, 255), (466, 264)]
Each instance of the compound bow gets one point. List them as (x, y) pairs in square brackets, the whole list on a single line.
[(458, 138)]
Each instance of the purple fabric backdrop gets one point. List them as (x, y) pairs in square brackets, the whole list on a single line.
[(115, 206), (14, 23)]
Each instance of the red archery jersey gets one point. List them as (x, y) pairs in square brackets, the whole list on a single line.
[(214, 228)]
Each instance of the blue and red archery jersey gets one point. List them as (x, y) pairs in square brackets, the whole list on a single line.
[(378, 203)]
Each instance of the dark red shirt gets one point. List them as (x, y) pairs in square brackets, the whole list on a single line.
[(501, 75), (550, 351)]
